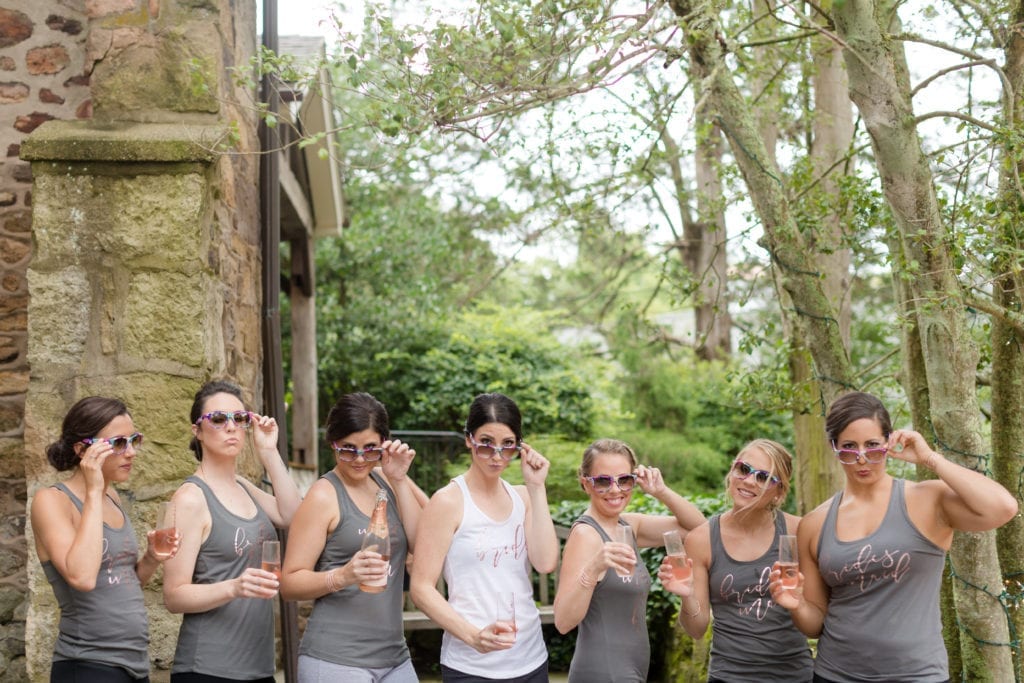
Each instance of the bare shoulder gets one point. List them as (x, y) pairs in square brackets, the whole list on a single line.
[(189, 499), (698, 541), (48, 502), (446, 502)]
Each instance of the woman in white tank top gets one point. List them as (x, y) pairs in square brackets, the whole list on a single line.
[(484, 535)]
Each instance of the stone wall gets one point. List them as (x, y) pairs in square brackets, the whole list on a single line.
[(143, 240), (41, 78)]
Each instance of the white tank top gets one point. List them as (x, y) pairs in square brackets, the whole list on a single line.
[(485, 557)]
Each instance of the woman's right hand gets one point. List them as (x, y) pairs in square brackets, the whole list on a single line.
[(612, 555), (672, 585), (789, 598), (91, 464), (256, 583), (365, 566), (493, 637)]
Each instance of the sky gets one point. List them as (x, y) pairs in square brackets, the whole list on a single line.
[(304, 17)]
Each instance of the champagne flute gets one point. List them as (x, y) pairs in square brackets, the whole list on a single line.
[(505, 615), (624, 534), (789, 566), (271, 561), (163, 539), (676, 556)]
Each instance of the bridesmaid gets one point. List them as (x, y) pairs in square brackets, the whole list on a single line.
[(88, 550), (227, 633)]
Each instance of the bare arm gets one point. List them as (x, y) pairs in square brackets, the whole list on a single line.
[(316, 517), (967, 500), (695, 607), (584, 563), (541, 539), (74, 548), (649, 528), (808, 602), (395, 467), (280, 506)]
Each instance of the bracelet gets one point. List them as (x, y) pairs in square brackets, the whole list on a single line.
[(694, 612), (332, 585), (586, 580)]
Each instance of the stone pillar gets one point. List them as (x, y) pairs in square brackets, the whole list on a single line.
[(145, 277)]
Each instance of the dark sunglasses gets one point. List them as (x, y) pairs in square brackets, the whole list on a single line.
[(487, 450), (119, 444), (371, 454), (741, 470), (219, 418), (602, 483)]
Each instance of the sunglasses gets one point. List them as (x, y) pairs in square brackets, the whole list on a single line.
[(741, 470), (488, 450), (119, 444), (602, 483), (218, 418), (371, 454), (849, 456)]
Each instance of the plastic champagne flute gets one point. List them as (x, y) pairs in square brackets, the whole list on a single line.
[(624, 534), (163, 539), (271, 561), (676, 555), (789, 564)]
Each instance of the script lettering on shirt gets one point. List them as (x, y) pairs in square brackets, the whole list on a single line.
[(242, 543), (495, 553), (119, 565), (757, 594), (870, 568)]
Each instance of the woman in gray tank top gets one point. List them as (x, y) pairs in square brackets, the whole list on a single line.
[(227, 632), (752, 638), (602, 585), (871, 558), (354, 635), (88, 549)]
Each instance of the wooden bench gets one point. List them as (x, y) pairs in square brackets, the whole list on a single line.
[(415, 620)]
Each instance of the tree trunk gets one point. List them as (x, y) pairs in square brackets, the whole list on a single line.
[(797, 266), (879, 86), (915, 385), (1008, 342), (714, 325)]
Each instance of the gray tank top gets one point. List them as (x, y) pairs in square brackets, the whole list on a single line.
[(350, 627), (752, 638), (883, 620), (235, 640), (612, 644), (108, 624)]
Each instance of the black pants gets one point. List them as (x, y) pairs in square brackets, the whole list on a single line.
[(538, 675), (77, 671), (192, 677)]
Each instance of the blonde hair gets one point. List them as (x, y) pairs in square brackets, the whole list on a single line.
[(605, 447), (781, 466)]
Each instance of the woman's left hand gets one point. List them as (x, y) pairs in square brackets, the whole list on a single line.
[(909, 446), (650, 481), (397, 459), (535, 467), (162, 557), (264, 433)]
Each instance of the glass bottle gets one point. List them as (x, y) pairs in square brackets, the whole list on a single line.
[(378, 540)]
